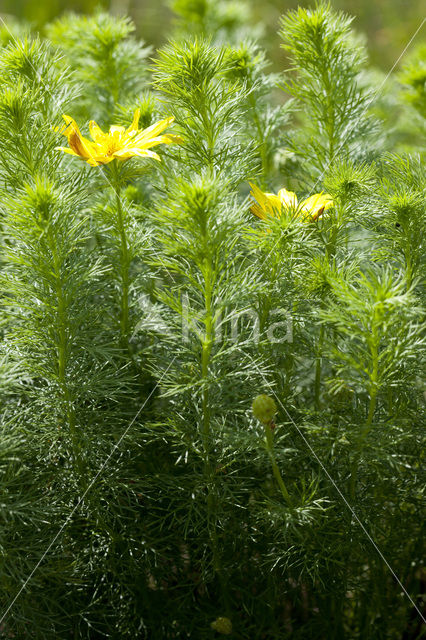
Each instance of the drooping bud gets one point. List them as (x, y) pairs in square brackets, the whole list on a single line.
[(222, 625), (264, 408)]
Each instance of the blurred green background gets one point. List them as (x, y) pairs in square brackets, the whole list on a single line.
[(388, 24)]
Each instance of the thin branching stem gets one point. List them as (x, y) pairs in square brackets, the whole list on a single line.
[(269, 441), (63, 346), (124, 257)]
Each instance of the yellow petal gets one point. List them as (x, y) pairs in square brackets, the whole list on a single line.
[(258, 211), (154, 129), (288, 198), (130, 152), (96, 132), (114, 128), (84, 148), (152, 142), (315, 205), (70, 126), (67, 150), (259, 195), (118, 143), (318, 200), (168, 138), (267, 201), (80, 145), (93, 162), (274, 203), (135, 123), (101, 159)]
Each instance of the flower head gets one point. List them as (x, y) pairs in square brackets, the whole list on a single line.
[(269, 204), (119, 143)]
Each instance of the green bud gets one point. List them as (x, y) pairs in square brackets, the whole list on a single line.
[(222, 625), (264, 408)]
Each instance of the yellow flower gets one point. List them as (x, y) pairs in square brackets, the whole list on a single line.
[(118, 143), (269, 204)]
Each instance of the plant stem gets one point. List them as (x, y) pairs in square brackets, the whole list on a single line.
[(330, 251), (124, 260), (62, 352), (205, 361), (269, 440), (408, 268), (262, 145), (331, 115), (318, 368), (205, 358), (331, 244), (272, 276), (374, 350)]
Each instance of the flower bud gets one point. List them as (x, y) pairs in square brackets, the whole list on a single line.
[(222, 625), (264, 408)]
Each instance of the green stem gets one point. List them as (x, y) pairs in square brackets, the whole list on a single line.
[(205, 359), (262, 145), (210, 137), (371, 410), (371, 407), (331, 115), (207, 344), (332, 243), (318, 368), (124, 260), (330, 250), (62, 353), (269, 440), (408, 269), (268, 300)]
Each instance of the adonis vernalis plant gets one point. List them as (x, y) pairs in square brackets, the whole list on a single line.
[(211, 388)]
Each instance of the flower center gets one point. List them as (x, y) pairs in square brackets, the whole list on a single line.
[(112, 145)]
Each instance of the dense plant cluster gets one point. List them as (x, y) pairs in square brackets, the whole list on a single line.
[(211, 420)]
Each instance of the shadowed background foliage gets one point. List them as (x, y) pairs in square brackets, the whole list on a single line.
[(388, 24)]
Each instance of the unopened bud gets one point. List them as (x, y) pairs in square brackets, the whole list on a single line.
[(264, 408), (222, 625)]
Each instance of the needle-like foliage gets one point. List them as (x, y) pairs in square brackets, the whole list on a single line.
[(212, 352)]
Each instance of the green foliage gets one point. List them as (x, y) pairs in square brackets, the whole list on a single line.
[(413, 77), (109, 64), (376, 319), (402, 225), (144, 309), (264, 122), (326, 59), (207, 106), (227, 21)]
